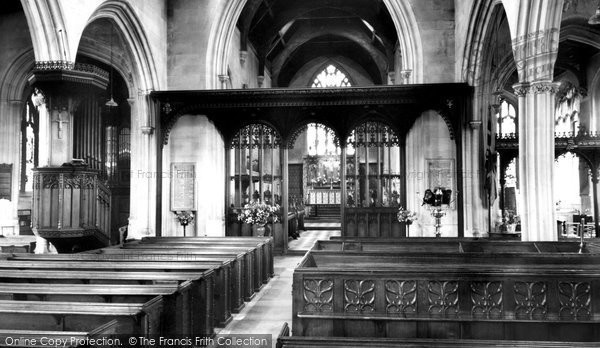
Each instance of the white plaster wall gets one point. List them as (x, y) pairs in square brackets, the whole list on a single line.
[(428, 139), (195, 139)]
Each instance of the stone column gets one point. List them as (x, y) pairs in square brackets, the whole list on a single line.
[(10, 133), (536, 159), (595, 201), (144, 173)]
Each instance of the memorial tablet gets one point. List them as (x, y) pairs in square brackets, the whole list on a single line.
[(5, 181), (183, 188)]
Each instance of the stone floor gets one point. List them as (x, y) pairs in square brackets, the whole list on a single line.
[(272, 306), (308, 238)]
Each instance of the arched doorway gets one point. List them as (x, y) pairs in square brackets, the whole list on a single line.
[(254, 178), (374, 182), (314, 172)]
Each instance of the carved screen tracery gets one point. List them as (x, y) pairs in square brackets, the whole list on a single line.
[(255, 168), (373, 170)]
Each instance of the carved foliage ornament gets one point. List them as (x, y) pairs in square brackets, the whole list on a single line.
[(442, 297), (255, 136), (318, 295), (401, 297), (531, 300), (359, 296), (373, 134), (575, 300), (486, 298)]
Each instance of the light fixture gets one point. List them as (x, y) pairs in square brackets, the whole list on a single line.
[(595, 19), (111, 103)]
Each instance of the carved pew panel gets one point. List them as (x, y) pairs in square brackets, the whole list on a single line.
[(353, 295)]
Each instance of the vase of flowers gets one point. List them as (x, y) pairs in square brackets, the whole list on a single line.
[(408, 217), (510, 220), (184, 218), (258, 215)]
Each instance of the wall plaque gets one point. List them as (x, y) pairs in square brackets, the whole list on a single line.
[(440, 173), (183, 187), (6, 181)]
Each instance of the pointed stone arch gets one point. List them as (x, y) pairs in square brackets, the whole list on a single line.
[(134, 35), (222, 31)]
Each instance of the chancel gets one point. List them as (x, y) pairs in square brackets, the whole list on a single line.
[(329, 173)]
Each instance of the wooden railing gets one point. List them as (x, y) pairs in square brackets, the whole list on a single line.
[(373, 222), (70, 202)]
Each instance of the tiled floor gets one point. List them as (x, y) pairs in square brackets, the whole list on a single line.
[(320, 225), (308, 238), (271, 307)]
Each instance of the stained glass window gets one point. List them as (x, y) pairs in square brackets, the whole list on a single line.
[(331, 76)]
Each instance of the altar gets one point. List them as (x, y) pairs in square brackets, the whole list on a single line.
[(318, 196)]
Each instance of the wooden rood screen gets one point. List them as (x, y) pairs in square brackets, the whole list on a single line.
[(262, 124)]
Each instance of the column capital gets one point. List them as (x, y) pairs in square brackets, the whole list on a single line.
[(405, 75), (521, 89), (540, 87), (392, 77), (147, 130), (476, 124), (260, 79), (223, 78), (243, 57)]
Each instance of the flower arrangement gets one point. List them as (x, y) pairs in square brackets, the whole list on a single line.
[(185, 217), (405, 215), (259, 213), (510, 218)]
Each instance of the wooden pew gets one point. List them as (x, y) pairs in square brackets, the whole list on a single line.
[(201, 292), (233, 273), (221, 291), (143, 319), (266, 243), (254, 268), (259, 254), (243, 264), (286, 341), (395, 296), (177, 310), (67, 339)]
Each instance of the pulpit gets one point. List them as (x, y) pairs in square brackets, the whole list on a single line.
[(71, 208)]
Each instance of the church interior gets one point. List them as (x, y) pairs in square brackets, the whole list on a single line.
[(316, 173)]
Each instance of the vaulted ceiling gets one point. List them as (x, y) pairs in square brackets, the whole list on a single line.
[(287, 35)]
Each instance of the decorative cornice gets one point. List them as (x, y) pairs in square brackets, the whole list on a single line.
[(63, 71)]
